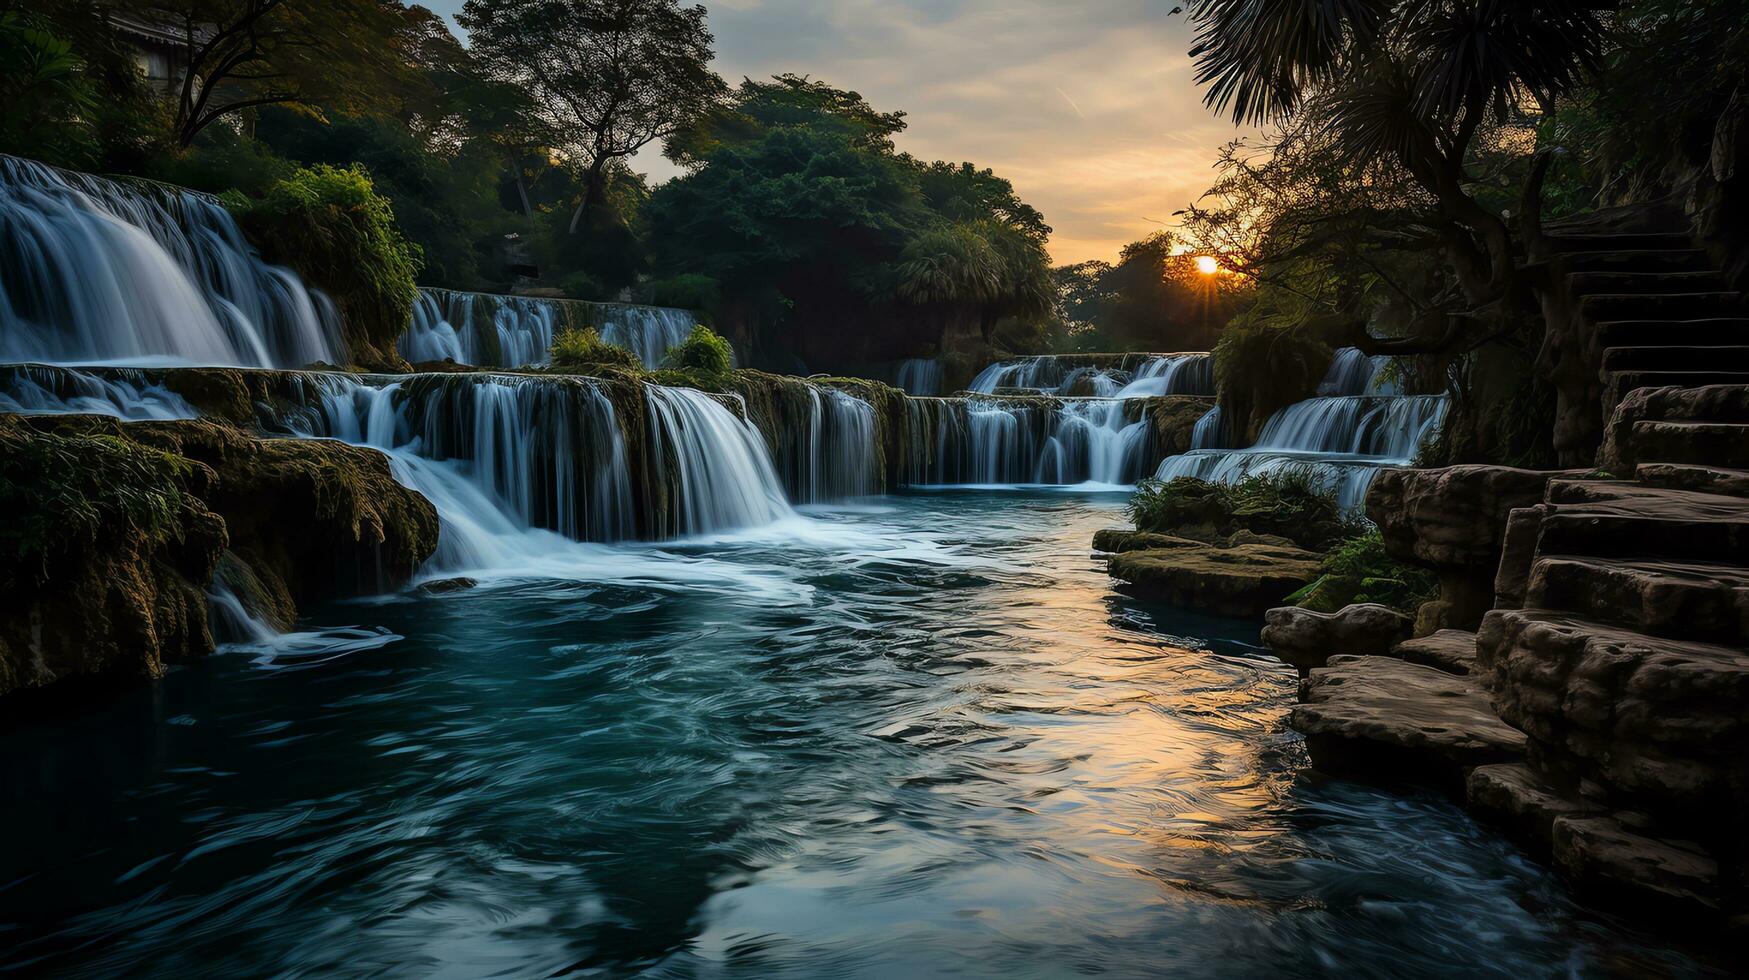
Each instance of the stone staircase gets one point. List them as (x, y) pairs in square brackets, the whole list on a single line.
[(1627, 667)]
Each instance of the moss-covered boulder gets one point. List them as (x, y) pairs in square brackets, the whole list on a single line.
[(104, 558), (1243, 574)]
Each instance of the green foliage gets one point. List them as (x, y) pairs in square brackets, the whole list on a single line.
[(46, 100), (334, 228), (687, 291), (1287, 504), (704, 358), (582, 285), (1358, 570), (223, 160), (62, 493), (1260, 367), (583, 350)]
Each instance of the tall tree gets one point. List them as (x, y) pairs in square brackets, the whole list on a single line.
[(304, 54), (607, 77)]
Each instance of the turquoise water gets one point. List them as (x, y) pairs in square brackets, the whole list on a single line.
[(923, 737)]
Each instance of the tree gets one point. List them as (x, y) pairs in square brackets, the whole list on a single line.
[(309, 55), (607, 77), (1411, 82)]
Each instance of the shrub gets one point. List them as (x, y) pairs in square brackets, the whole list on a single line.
[(704, 358), (333, 227), (1357, 569), (1260, 368), (583, 349), (582, 285), (689, 291), (1287, 504)]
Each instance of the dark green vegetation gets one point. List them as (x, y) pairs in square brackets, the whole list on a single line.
[(1150, 300), (1414, 150), (1357, 569), (581, 350), (1286, 505), (339, 233)]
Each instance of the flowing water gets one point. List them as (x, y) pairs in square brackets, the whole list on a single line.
[(489, 330), (920, 738)]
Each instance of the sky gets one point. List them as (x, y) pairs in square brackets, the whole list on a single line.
[(1088, 106)]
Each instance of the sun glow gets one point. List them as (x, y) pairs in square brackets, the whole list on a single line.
[(1207, 265)]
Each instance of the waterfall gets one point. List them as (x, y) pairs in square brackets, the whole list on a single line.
[(1157, 374), (488, 330), (919, 376), (1211, 431), (1339, 440), (827, 449), (533, 453), (34, 389), (713, 464), (102, 271)]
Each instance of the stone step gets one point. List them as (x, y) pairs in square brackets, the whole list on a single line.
[(1699, 305), (1708, 443), (1641, 283), (1633, 241), (1693, 476), (1644, 723), (1384, 718), (1703, 601), (1679, 358), (1640, 260), (1630, 520), (1608, 861), (1513, 797), (1620, 383), (1678, 403), (1715, 331), (1453, 651)]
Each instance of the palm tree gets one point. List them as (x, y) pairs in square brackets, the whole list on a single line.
[(1410, 81)]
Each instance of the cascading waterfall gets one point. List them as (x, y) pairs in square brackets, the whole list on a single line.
[(32, 389), (1338, 439), (919, 376), (102, 271), (489, 330), (826, 452), (498, 455), (1056, 439), (713, 464)]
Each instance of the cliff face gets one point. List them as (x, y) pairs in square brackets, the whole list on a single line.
[(115, 531)]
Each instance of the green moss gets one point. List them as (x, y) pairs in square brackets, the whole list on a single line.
[(1288, 505), (64, 493), (583, 350), (1358, 570), (1260, 368), (332, 226), (704, 357)]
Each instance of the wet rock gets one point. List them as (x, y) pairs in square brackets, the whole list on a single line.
[(1308, 639), (1452, 520), (1382, 718), (1512, 796), (1242, 575), (1609, 862), (447, 586), (1172, 421), (1453, 651)]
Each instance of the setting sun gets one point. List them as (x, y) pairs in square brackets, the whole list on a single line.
[(1207, 265)]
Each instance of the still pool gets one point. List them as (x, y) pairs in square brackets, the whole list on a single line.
[(921, 737)]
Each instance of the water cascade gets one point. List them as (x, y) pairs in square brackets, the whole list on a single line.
[(489, 330), (826, 450), (1069, 376), (712, 463), (918, 376), (104, 271), (1339, 438), (34, 389)]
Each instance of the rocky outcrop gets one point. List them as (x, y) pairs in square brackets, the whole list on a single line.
[(1383, 718), (1308, 639), (104, 559), (1172, 422), (1453, 651), (155, 510), (1452, 520), (1243, 574)]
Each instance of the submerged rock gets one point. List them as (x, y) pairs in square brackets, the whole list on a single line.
[(1308, 639), (447, 586)]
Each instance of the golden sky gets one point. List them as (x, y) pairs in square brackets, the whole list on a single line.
[(1088, 107)]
